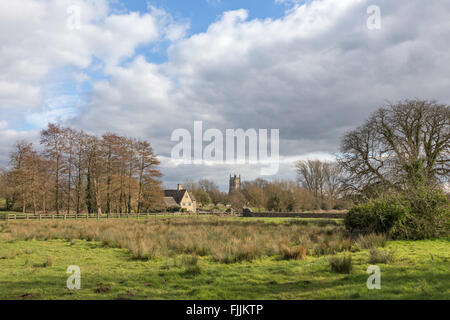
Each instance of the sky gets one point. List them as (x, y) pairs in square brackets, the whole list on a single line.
[(311, 69)]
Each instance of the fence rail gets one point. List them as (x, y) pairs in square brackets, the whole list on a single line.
[(84, 216), (72, 216)]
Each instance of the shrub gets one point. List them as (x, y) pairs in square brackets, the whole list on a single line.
[(419, 213), (381, 256), (341, 264), (325, 205), (376, 216), (429, 216)]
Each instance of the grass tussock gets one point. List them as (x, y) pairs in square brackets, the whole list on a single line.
[(341, 264), (371, 241), (49, 262), (225, 241), (293, 253), (9, 254), (381, 256), (190, 264)]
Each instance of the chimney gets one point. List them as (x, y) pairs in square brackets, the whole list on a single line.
[(179, 187)]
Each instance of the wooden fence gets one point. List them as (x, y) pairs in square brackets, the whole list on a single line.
[(83, 216)]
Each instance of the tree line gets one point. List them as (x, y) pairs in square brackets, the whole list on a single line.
[(278, 195), (77, 172), (402, 148)]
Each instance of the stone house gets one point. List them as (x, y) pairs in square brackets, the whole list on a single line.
[(180, 198)]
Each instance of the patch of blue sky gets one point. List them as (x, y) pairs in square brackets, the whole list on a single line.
[(63, 95), (200, 14), (67, 89)]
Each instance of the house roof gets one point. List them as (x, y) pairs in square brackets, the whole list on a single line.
[(170, 202), (178, 195)]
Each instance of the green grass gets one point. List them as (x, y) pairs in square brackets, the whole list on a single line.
[(421, 270)]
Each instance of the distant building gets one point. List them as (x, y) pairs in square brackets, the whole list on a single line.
[(181, 198), (235, 184)]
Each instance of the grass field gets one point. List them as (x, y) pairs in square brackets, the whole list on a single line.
[(211, 258)]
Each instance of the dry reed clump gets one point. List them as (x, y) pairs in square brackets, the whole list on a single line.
[(293, 253), (226, 241), (48, 262), (381, 256), (341, 264), (190, 264), (370, 241)]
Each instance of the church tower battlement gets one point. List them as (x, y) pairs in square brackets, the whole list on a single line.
[(235, 184)]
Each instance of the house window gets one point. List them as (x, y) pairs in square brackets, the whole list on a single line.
[(184, 203), (190, 203)]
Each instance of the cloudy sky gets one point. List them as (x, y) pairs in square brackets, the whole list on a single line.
[(312, 69)]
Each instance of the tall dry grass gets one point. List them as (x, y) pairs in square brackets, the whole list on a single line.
[(225, 241)]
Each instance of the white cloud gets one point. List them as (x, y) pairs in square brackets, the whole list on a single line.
[(3, 124), (36, 40), (314, 73), (16, 94)]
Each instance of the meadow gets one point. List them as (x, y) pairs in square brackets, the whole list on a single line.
[(215, 258)]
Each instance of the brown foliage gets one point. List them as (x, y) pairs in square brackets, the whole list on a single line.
[(78, 172)]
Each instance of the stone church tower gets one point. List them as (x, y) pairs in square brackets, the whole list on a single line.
[(235, 184)]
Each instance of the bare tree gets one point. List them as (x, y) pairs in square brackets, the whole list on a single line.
[(400, 145), (311, 174), (212, 189), (53, 140), (85, 172), (147, 169), (21, 161)]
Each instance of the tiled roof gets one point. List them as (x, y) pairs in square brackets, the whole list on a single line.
[(177, 195), (170, 202)]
